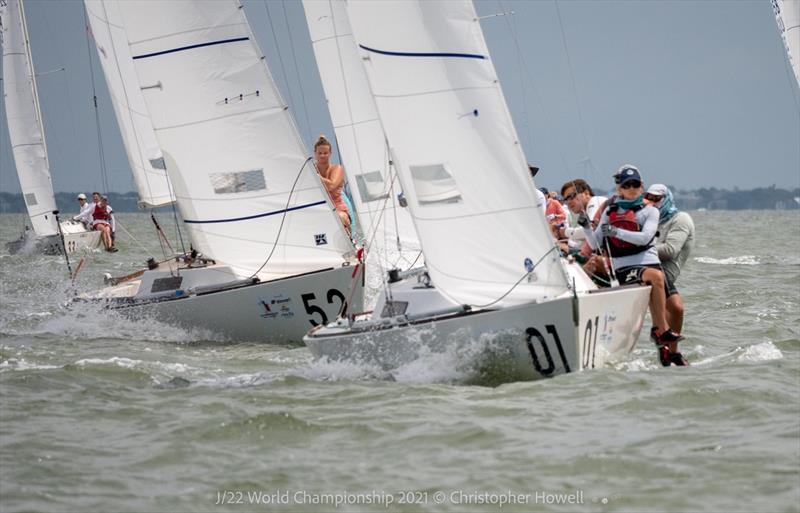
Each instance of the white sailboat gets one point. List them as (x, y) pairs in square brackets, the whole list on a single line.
[(272, 258), (387, 228), (787, 16), (29, 148), (494, 277)]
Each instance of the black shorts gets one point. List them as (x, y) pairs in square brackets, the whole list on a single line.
[(633, 274)]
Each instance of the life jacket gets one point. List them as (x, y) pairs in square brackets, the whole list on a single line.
[(625, 221), (100, 213)]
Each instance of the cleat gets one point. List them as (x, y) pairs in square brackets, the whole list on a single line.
[(678, 360), (664, 356)]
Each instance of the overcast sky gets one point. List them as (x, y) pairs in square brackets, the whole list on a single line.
[(696, 93)]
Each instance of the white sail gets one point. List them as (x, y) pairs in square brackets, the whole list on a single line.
[(387, 227), (144, 155), (457, 152), (241, 178), (787, 15), (25, 120)]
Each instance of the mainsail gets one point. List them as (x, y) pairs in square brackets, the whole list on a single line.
[(787, 15), (386, 226), (25, 120), (144, 155), (456, 151), (244, 187)]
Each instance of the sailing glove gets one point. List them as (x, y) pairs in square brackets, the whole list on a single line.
[(583, 221), (608, 231)]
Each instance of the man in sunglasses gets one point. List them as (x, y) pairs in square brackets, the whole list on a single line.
[(674, 244), (579, 199), (627, 231)]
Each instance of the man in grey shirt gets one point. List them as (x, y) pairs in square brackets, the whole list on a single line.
[(674, 244)]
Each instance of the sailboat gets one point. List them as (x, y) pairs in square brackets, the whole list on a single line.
[(388, 233), (26, 132), (787, 16), (493, 277), (270, 258)]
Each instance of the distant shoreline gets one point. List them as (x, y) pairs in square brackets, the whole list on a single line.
[(764, 198)]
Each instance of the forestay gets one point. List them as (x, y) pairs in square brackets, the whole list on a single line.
[(144, 155), (787, 14), (241, 178), (456, 150), (387, 227), (25, 120)]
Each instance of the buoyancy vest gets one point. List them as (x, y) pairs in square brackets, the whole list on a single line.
[(625, 221), (100, 213)]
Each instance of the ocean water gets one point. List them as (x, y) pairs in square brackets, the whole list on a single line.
[(98, 413)]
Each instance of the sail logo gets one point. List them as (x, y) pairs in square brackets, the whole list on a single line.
[(320, 239)]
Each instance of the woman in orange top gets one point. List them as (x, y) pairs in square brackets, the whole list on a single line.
[(332, 176)]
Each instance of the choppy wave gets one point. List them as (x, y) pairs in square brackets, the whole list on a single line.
[(736, 260)]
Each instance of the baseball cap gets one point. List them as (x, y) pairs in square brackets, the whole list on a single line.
[(657, 189), (627, 173), (82, 196)]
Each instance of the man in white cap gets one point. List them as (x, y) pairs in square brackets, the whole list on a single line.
[(85, 214), (674, 244)]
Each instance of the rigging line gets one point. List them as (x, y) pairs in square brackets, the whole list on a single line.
[(548, 121), (297, 71), (283, 217), (53, 134), (127, 101), (280, 54), (509, 291), (103, 173), (521, 64), (572, 79), (129, 234)]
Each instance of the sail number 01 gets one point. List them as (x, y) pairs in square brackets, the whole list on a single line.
[(534, 337)]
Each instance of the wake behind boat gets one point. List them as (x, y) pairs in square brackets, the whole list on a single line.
[(493, 275)]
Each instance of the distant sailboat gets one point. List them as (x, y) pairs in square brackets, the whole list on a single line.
[(28, 145), (787, 15), (494, 276), (271, 258)]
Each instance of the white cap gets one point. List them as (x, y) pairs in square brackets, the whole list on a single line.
[(82, 196), (658, 189)]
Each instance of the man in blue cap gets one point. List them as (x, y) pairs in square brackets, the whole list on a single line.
[(627, 230)]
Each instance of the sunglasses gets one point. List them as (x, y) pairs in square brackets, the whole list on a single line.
[(631, 184), (570, 196), (653, 197)]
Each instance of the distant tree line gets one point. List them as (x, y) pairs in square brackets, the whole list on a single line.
[(762, 198), (68, 204)]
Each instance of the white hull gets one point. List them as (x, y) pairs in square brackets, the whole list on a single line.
[(76, 239), (517, 343), (278, 311)]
